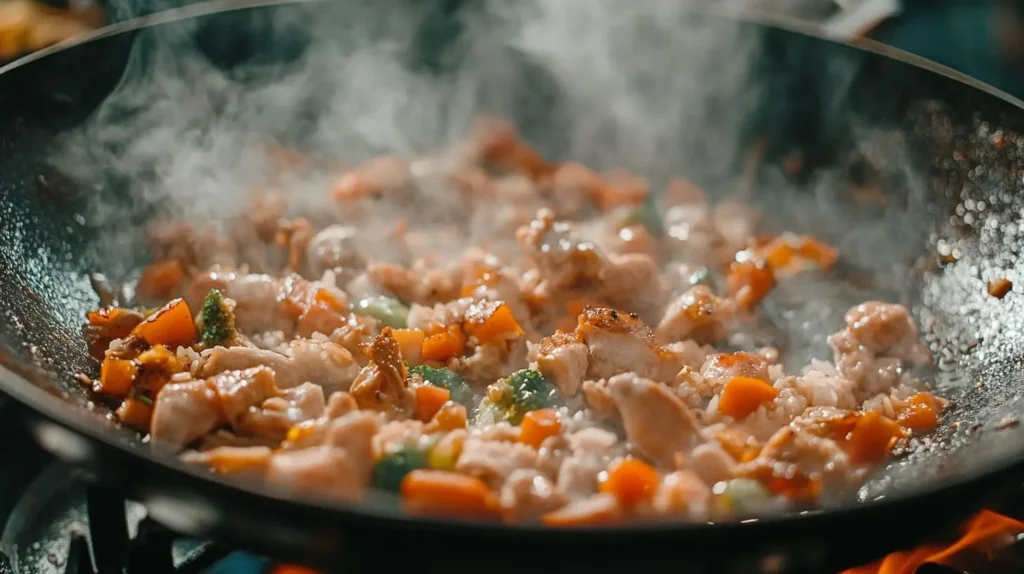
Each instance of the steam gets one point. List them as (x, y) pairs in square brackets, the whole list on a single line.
[(652, 86)]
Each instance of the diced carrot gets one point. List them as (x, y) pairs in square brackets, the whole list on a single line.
[(444, 345), (451, 416), (740, 445), (135, 413), (872, 437), (818, 252), (539, 425), (116, 377), (742, 395), (789, 254), (161, 279), (631, 481), (921, 413), (749, 282), (172, 325), (446, 493), (599, 509), (410, 341), (429, 400), (331, 300), (492, 321)]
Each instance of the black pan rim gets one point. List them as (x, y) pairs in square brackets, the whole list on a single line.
[(43, 402)]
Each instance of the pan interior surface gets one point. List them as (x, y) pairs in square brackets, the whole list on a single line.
[(79, 178)]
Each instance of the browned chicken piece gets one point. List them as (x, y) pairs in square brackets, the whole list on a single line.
[(417, 284), (308, 361), (573, 188), (354, 433), (681, 492), (527, 494), (335, 248), (382, 385), (244, 461), (562, 358), (620, 343), (183, 412), (655, 420), (871, 350), (239, 391), (563, 259), (115, 323), (633, 282), (494, 461), (814, 455), (697, 314), (720, 367), (278, 414)]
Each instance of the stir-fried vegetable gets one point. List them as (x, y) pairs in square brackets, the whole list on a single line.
[(429, 400), (539, 425), (742, 496), (392, 469), (521, 392), (446, 379), (410, 341), (742, 395), (387, 310), (218, 320), (172, 326), (491, 321), (444, 344), (446, 451), (116, 377), (631, 481), (444, 493)]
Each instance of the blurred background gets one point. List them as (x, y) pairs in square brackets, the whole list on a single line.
[(981, 38)]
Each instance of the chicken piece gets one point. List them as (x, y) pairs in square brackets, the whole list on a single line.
[(183, 412), (813, 455), (600, 400), (319, 362), (591, 450), (335, 248), (564, 260), (573, 187), (382, 176), (562, 358), (655, 420), (490, 362), (681, 493), (238, 391), (720, 367), (887, 330), (872, 349), (278, 414), (450, 313), (322, 471), (354, 432), (494, 461), (527, 494), (697, 314), (340, 404), (418, 284), (551, 454), (620, 343), (633, 282), (712, 463), (690, 235), (382, 385)]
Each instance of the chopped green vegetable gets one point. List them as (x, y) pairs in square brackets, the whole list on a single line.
[(387, 310), (218, 326), (520, 393), (647, 215), (743, 495), (144, 399), (446, 379), (701, 276), (390, 470)]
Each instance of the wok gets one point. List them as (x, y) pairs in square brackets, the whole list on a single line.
[(955, 184)]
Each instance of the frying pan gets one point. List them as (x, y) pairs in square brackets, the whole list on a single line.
[(954, 185)]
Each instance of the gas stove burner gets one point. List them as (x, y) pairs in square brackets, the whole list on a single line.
[(59, 526)]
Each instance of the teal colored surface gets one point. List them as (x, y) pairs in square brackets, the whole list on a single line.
[(957, 34)]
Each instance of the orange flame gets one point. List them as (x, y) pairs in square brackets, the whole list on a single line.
[(291, 569), (985, 527)]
